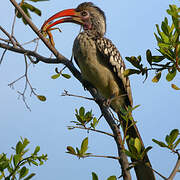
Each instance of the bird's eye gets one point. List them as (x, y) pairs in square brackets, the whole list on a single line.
[(84, 13)]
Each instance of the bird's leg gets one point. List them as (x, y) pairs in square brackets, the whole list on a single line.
[(107, 102)]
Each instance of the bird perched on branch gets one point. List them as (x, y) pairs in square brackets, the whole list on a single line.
[(99, 60)]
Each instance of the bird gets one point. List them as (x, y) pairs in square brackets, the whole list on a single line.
[(99, 61)]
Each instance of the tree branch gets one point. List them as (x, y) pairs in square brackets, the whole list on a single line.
[(90, 129), (175, 170)]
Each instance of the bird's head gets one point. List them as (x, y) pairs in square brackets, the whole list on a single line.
[(89, 16)]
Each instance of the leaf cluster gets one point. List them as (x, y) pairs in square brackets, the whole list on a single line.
[(83, 118), (95, 177), (27, 8), (168, 47), (172, 140), (16, 166), (79, 152), (135, 149)]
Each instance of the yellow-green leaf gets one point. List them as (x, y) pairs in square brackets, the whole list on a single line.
[(129, 72), (170, 76), (67, 76), (41, 98), (71, 150), (156, 77), (137, 145), (84, 145), (112, 178), (55, 76), (175, 87), (33, 9)]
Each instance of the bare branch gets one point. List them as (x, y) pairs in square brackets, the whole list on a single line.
[(90, 129), (176, 169), (8, 35), (31, 53), (3, 54), (67, 94), (111, 157)]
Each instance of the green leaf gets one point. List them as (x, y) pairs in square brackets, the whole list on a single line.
[(34, 162), (41, 98), (167, 139), (67, 76), (71, 150), (78, 151), (134, 61), (25, 141), (18, 14), (23, 172), (37, 149), (112, 178), (16, 159), (129, 72), (19, 148), (26, 12), (84, 145), (157, 58), (131, 155), (175, 87), (137, 145), (160, 143), (33, 9), (94, 176), (173, 135), (81, 111), (164, 27), (149, 56), (157, 38), (176, 143), (171, 74), (55, 76), (157, 77), (4, 163), (30, 176)]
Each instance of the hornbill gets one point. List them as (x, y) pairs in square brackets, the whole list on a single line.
[(101, 65)]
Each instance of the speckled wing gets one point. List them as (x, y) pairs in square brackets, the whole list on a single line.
[(116, 64)]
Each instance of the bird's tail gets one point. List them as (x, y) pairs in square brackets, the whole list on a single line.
[(143, 170)]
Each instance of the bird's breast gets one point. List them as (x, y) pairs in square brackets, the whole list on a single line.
[(93, 67)]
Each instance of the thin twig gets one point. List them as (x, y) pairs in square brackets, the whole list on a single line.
[(13, 24), (32, 41), (158, 173), (5, 40), (18, 44), (90, 129), (8, 35), (12, 83), (3, 54), (111, 157), (65, 93)]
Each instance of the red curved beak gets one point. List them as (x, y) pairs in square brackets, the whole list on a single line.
[(71, 16)]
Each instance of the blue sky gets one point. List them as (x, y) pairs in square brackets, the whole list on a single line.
[(130, 25)]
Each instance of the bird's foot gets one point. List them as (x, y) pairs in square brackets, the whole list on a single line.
[(107, 102)]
